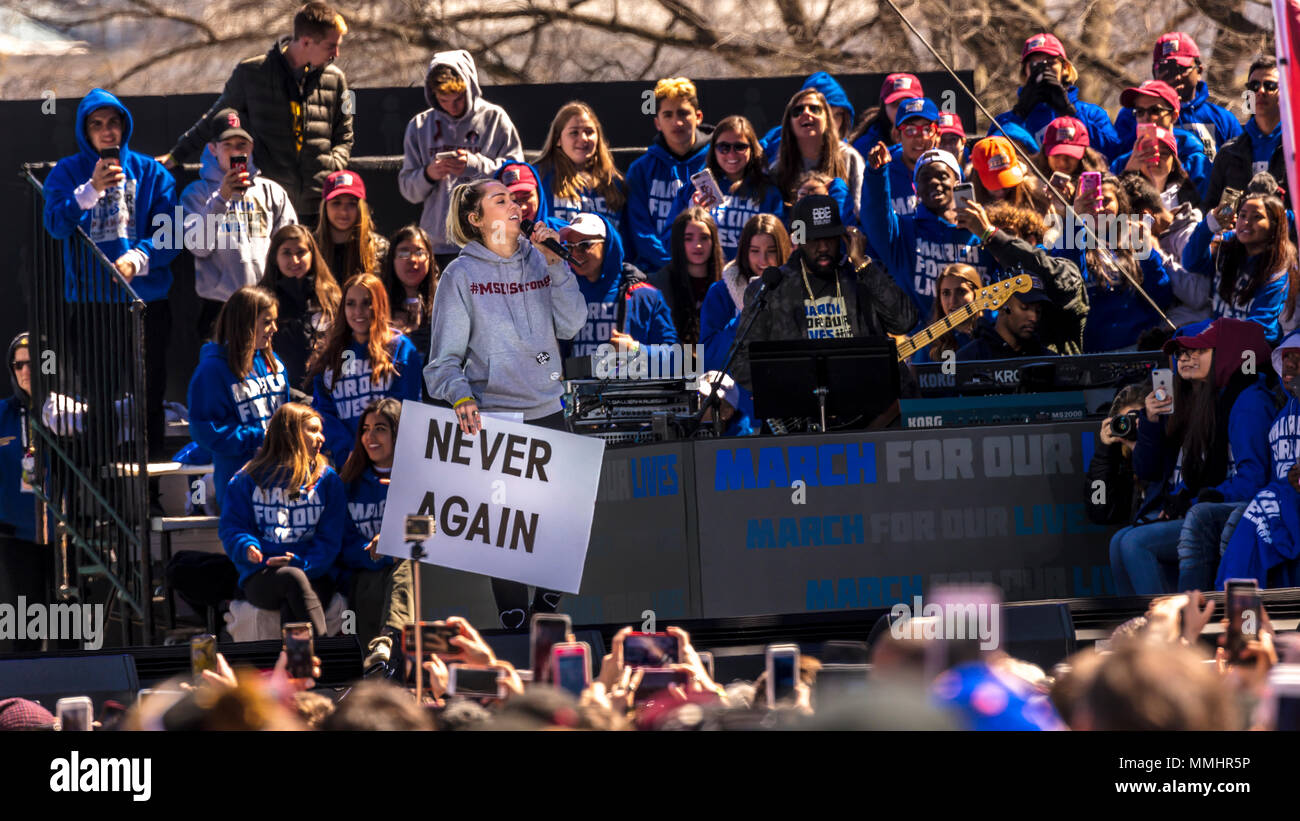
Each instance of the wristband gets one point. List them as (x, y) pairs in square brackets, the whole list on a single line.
[(463, 401), (988, 235)]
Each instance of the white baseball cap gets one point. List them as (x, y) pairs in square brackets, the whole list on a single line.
[(584, 225), (727, 388)]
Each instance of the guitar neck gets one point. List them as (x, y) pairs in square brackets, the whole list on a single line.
[(948, 323)]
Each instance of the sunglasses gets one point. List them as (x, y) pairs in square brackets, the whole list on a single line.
[(915, 131), (1188, 353), (25, 364), (1153, 111), (727, 148), (585, 245), (1267, 85), (812, 108), (417, 254), (1171, 68)]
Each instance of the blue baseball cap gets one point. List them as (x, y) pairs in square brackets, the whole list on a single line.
[(922, 107)]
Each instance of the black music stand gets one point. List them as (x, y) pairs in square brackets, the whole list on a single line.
[(816, 378)]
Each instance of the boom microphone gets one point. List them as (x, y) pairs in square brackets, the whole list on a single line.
[(527, 227)]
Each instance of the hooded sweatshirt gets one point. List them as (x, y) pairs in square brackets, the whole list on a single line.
[(653, 181), (915, 248), (1212, 124), (229, 414), (1250, 408), (341, 401), (231, 238), (1266, 544), (1118, 314), (1284, 434), (736, 210), (484, 130), (1267, 304), (544, 215), (835, 97), (589, 201), (645, 314), (17, 459), (1101, 132), (366, 499), (496, 325), (264, 516), (1191, 153), (140, 218)]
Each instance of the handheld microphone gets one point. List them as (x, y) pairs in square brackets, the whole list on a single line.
[(527, 227)]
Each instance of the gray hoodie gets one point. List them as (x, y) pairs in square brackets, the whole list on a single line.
[(484, 130), (496, 325), (229, 240)]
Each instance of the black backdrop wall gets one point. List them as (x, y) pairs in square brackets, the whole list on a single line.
[(33, 135)]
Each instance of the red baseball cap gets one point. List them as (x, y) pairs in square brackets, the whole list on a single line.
[(900, 87), (517, 176), (1152, 88), (994, 159), (1176, 46), (950, 123), (1066, 135), (344, 182), (1042, 44)]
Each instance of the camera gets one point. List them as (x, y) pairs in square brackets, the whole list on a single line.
[(419, 528), (1125, 427)]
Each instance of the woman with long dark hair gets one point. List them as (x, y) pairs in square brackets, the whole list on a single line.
[(1253, 267), (238, 384), (475, 359), (411, 278), (810, 142), (379, 588), (1207, 444), (346, 232), (308, 297), (282, 520), (696, 264), (363, 359), (956, 287)]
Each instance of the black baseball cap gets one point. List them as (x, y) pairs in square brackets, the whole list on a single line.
[(1035, 292), (820, 215), (226, 123)]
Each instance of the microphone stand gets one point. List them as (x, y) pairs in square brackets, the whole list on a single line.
[(715, 399)]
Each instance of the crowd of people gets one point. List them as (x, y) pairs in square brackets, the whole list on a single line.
[(1163, 227)]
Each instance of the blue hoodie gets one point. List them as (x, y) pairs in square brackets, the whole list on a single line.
[(902, 186), (229, 414), (1101, 132), (647, 318), (1220, 124), (736, 210), (1265, 307), (915, 248), (835, 96), (544, 216), (142, 225), (17, 501), (1191, 153), (1119, 315), (309, 526), (653, 181), (366, 499), (1266, 543), (1284, 434), (718, 327), (341, 403), (588, 202)]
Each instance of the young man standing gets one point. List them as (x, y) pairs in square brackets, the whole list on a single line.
[(653, 180), (230, 215), (295, 104), (1259, 148), (460, 138), (124, 205)]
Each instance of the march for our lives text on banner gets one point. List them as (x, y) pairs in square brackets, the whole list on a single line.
[(513, 502)]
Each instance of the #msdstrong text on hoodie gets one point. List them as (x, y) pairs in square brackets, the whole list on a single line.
[(229, 413), (341, 399), (484, 130), (118, 220), (308, 523)]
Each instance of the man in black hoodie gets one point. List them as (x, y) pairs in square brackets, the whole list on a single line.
[(825, 291)]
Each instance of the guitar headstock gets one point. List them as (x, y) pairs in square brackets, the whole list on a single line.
[(996, 295)]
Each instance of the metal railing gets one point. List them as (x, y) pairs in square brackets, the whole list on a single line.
[(86, 328)]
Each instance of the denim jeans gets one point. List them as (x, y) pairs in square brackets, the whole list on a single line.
[(1199, 543), (1144, 558)]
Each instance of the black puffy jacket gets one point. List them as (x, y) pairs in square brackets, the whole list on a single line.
[(1232, 168), (262, 89)]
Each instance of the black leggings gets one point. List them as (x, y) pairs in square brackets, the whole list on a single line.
[(288, 590), (513, 609)]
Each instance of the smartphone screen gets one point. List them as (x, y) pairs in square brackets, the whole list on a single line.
[(435, 639), (75, 714), (1089, 183), (239, 162), (571, 669), (203, 654), (298, 646), (706, 659), (1243, 616), (656, 681), (650, 650), (477, 682), (111, 153), (548, 630), (785, 669)]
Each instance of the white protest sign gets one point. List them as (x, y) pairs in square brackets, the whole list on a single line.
[(513, 502)]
